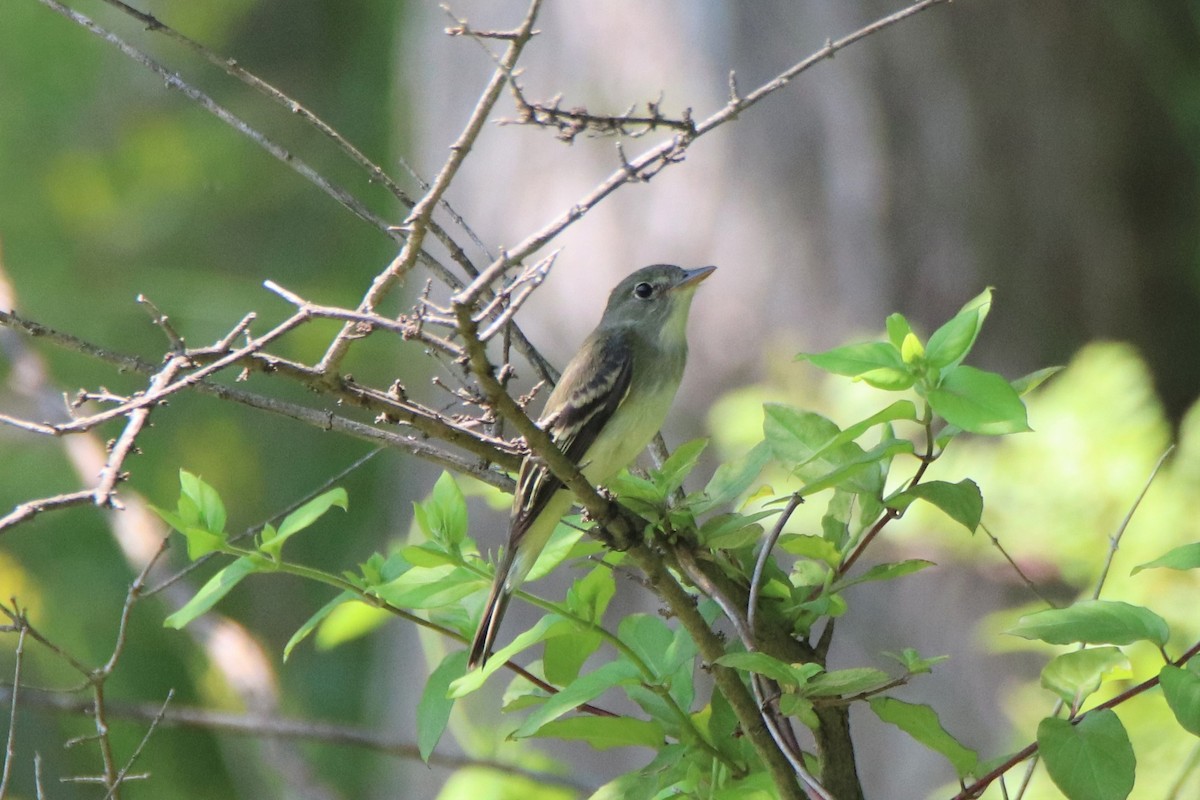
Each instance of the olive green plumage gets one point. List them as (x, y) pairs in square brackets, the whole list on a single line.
[(613, 397)]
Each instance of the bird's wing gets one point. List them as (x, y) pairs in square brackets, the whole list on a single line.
[(574, 422)]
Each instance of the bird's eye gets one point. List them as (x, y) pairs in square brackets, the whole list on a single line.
[(644, 290)]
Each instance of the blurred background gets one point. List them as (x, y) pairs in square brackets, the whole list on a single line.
[(1046, 149)]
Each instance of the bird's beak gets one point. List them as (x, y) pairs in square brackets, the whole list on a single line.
[(692, 277)]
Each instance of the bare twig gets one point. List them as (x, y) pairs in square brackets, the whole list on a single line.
[(104, 495), (672, 150), (293, 106), (1025, 579), (173, 81), (10, 745), (417, 222), (263, 726), (764, 555), (123, 774), (30, 509), (1115, 539)]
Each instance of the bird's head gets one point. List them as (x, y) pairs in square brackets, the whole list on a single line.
[(655, 300)]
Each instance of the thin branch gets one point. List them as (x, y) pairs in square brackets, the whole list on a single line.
[(104, 495), (428, 423), (1033, 587), (173, 81), (374, 172), (1114, 543), (672, 150), (261, 726), (977, 788), (10, 746), (764, 555), (123, 775), (253, 530), (30, 509), (1115, 539), (417, 222)]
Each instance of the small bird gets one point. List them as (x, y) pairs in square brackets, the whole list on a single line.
[(613, 397)]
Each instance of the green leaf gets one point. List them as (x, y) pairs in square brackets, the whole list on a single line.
[(835, 524), (914, 663), (979, 402), (782, 673), (888, 379), (949, 344), (809, 546), (206, 501), (582, 690), (897, 329), (921, 723), (733, 478), (1094, 622), (1074, 676), (303, 517), (650, 638), (638, 493), (855, 360), (800, 707), (605, 732), (433, 710), (428, 554), (556, 551), (887, 572), (548, 626), (311, 511), (961, 501), (731, 531), (846, 682), (588, 597), (200, 542), (796, 436), (1091, 760), (679, 465), (431, 587), (347, 622), (311, 623), (446, 511), (563, 656), (1181, 688), (857, 470), (1186, 556), (1027, 383), (211, 592)]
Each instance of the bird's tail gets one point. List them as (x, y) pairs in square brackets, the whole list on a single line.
[(493, 613)]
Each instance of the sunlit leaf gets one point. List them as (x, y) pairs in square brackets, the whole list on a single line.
[(1186, 556), (949, 344), (1094, 622), (605, 732), (1075, 675), (583, 689), (1091, 760), (1181, 688), (311, 623), (979, 402), (733, 478), (921, 723), (434, 707), (211, 592), (303, 517), (961, 501)]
